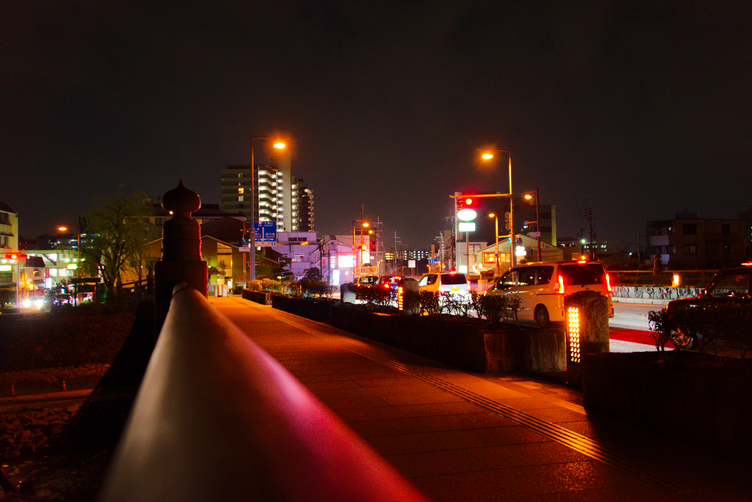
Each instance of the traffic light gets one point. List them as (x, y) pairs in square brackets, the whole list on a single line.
[(465, 203)]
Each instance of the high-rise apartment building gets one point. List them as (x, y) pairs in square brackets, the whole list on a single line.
[(280, 196)]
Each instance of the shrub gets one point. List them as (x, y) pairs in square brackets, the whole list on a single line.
[(429, 303), (705, 325), (291, 288), (271, 286), (311, 288)]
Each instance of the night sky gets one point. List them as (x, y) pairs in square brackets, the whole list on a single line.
[(636, 109)]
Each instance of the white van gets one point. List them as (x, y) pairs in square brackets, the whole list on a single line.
[(542, 286), (445, 282)]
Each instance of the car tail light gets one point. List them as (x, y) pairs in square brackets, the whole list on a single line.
[(559, 288), (608, 283)]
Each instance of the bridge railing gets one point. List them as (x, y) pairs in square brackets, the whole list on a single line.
[(688, 278), (216, 418)]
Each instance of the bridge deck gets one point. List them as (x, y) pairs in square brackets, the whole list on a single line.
[(462, 436)]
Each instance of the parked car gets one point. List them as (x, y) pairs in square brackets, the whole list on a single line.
[(728, 286), (389, 282), (364, 283), (444, 282), (542, 287)]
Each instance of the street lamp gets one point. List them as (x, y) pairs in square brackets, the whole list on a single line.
[(64, 228), (252, 234), (529, 196), (496, 217), (488, 156), (358, 262)]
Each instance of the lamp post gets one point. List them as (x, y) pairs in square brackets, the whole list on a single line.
[(496, 217), (252, 232), (488, 156), (529, 196), (64, 228), (358, 257)]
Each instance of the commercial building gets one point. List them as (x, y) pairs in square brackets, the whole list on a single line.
[(690, 242), (8, 243)]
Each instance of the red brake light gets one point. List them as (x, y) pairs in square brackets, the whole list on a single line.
[(608, 283), (581, 261), (559, 288)]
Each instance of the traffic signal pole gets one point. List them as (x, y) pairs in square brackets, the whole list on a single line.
[(458, 196)]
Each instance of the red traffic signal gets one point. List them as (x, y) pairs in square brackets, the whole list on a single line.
[(464, 202)]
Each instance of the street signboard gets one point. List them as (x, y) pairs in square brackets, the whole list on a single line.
[(265, 233)]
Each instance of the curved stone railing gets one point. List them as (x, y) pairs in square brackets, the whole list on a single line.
[(216, 418)]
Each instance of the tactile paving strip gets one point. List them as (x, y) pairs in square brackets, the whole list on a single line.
[(577, 442)]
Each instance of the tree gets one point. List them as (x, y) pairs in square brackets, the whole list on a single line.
[(267, 269), (115, 234), (313, 274)]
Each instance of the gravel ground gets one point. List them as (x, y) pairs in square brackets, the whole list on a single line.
[(35, 464), (54, 452)]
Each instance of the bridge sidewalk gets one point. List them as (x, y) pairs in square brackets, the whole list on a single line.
[(471, 437)]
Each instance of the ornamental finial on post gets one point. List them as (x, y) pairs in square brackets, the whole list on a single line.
[(181, 248)]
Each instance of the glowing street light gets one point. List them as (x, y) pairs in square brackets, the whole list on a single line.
[(64, 228), (252, 234), (496, 217), (358, 258), (488, 155), (529, 196)]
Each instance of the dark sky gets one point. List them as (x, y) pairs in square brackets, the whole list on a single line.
[(640, 109)]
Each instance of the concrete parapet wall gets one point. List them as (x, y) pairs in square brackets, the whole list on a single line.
[(257, 296), (315, 309), (701, 401), (457, 342)]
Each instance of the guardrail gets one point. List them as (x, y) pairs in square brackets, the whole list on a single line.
[(216, 418)]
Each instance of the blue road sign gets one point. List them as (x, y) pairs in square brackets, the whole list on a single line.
[(266, 233)]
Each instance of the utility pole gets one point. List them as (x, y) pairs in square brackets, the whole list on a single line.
[(592, 243), (639, 261), (588, 215)]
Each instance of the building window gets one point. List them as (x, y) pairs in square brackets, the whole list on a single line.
[(690, 249), (690, 228), (726, 229), (729, 247)]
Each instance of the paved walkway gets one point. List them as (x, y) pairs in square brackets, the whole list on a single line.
[(467, 437)]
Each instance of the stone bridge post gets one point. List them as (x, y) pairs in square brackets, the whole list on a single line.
[(181, 250)]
